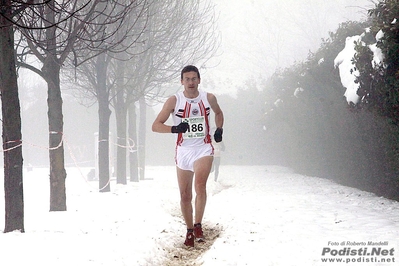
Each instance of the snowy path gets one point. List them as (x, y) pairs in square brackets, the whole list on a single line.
[(260, 215)]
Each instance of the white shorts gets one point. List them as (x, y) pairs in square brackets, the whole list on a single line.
[(186, 156)]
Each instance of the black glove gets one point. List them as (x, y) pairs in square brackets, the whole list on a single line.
[(180, 128), (218, 134)]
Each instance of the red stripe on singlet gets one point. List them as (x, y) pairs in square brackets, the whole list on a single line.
[(186, 113), (207, 138)]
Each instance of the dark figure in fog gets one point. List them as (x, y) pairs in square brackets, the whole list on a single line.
[(218, 148)]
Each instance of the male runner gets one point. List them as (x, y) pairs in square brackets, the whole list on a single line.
[(190, 110)]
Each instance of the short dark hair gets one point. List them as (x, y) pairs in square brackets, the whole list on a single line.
[(190, 68)]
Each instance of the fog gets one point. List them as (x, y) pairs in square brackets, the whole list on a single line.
[(257, 37)]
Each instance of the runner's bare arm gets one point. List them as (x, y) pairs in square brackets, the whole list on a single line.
[(159, 122), (219, 118)]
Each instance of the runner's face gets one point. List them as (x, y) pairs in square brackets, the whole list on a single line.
[(190, 81)]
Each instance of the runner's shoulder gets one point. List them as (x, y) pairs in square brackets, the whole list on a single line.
[(171, 102)]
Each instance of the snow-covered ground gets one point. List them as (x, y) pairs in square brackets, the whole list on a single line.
[(256, 215)]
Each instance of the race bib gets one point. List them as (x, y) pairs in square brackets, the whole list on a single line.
[(196, 127)]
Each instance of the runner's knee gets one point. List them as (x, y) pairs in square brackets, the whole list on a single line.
[(186, 197)]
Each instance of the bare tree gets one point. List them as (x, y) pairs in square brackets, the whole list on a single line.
[(12, 138), (98, 83), (57, 33)]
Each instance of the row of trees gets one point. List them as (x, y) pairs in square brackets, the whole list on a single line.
[(356, 145), (138, 74), (118, 52)]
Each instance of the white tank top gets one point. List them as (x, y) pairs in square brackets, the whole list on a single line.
[(196, 113)]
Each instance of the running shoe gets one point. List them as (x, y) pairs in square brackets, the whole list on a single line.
[(189, 238), (199, 235)]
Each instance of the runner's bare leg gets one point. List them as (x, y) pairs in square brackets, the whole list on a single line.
[(202, 168), (185, 181)]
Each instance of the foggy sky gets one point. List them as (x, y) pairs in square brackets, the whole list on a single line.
[(259, 36)]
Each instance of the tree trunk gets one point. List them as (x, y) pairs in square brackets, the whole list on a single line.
[(133, 160), (51, 73), (13, 162), (121, 113), (51, 70), (104, 114), (142, 133), (121, 147)]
